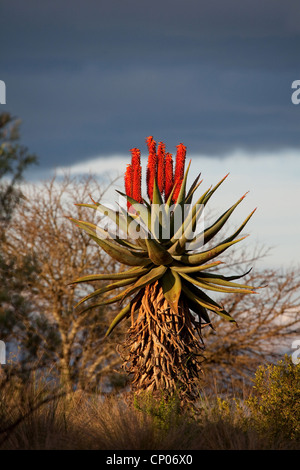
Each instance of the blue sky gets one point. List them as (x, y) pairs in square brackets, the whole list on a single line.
[(92, 79)]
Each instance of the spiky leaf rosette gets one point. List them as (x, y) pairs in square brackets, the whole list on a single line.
[(168, 277)]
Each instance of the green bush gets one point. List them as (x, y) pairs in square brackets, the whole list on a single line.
[(275, 400), (164, 410)]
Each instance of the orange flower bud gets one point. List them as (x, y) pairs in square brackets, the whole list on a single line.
[(161, 166), (152, 166), (179, 169), (168, 175)]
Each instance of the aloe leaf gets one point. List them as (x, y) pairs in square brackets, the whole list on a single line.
[(122, 223), (159, 219), (228, 240), (143, 211), (125, 223), (148, 278), (178, 206), (193, 188), (206, 302), (109, 287), (188, 228), (123, 255), (135, 230), (198, 309), (201, 201), (181, 195), (92, 206), (157, 253), (123, 314), (130, 273), (238, 231), (90, 228), (204, 256), (178, 214), (206, 285), (211, 231), (211, 192), (225, 280), (191, 295), (171, 285), (95, 230), (169, 200), (157, 197), (109, 301), (127, 244), (194, 269), (113, 215)]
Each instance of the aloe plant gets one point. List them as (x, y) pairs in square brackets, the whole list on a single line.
[(167, 286)]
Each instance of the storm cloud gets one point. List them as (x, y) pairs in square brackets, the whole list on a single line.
[(95, 78)]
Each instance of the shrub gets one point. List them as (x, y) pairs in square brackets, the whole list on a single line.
[(275, 400), (164, 410)]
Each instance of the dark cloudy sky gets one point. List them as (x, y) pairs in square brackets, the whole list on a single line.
[(96, 77)]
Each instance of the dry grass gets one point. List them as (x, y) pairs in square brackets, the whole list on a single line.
[(38, 417)]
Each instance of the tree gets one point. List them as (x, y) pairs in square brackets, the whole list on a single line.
[(53, 334), (167, 276), (267, 324), (14, 160)]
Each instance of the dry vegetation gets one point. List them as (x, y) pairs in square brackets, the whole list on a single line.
[(38, 416)]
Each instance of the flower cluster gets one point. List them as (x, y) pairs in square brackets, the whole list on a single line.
[(159, 167)]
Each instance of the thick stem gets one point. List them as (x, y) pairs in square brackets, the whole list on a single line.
[(163, 351)]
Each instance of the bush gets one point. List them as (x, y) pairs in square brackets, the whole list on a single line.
[(275, 401), (165, 410)]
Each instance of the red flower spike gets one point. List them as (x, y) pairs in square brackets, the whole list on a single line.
[(136, 174), (128, 183), (161, 166), (128, 180), (168, 175), (179, 169), (152, 166)]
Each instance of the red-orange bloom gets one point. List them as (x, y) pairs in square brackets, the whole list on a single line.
[(128, 180), (128, 183), (179, 169), (152, 166), (161, 166), (168, 175), (136, 174)]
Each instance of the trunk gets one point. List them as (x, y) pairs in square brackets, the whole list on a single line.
[(163, 350)]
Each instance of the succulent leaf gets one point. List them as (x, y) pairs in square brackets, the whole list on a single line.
[(198, 281), (198, 258), (171, 285), (202, 299), (142, 212), (103, 290), (211, 231), (121, 315), (194, 269), (157, 253), (152, 276), (197, 308), (130, 273)]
